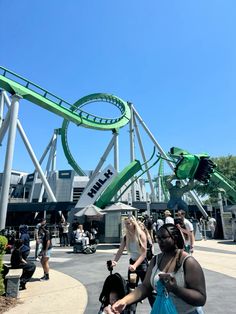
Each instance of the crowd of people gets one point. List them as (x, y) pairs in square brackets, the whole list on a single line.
[(20, 247), (21, 250), (173, 271), (174, 268)]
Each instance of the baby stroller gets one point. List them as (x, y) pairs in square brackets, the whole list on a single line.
[(117, 285)]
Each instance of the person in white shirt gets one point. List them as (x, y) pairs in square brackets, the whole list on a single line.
[(212, 226), (168, 218), (188, 231), (81, 235), (160, 223), (65, 232)]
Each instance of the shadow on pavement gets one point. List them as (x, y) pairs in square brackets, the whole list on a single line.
[(227, 242)]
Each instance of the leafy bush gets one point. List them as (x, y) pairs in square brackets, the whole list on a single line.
[(3, 244)]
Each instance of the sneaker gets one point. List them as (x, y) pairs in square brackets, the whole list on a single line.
[(22, 286), (37, 259), (44, 278)]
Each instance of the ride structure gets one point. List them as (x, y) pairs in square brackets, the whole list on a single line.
[(20, 88), (201, 168)]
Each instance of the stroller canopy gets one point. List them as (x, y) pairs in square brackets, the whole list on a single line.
[(113, 283)]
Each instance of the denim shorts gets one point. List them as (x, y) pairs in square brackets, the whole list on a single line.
[(48, 253), (198, 310)]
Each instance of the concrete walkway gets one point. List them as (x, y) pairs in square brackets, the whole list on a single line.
[(217, 255), (60, 294), (63, 294)]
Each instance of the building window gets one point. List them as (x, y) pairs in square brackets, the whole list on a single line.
[(77, 192), (63, 174)]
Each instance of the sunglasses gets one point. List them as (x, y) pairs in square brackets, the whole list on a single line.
[(163, 238)]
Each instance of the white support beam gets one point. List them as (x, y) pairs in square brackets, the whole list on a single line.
[(33, 157), (131, 136), (103, 158), (1, 107), (153, 196), (8, 161)]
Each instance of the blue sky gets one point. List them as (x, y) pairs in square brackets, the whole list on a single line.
[(174, 60)]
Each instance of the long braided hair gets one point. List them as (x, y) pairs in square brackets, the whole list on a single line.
[(178, 238)]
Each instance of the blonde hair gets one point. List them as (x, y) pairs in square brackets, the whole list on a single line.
[(145, 230), (135, 233)]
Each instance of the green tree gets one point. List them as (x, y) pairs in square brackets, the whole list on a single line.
[(3, 243), (227, 167)]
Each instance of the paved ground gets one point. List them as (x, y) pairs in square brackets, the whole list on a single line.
[(76, 280)]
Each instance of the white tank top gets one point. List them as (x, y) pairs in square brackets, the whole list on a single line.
[(181, 306), (134, 250)]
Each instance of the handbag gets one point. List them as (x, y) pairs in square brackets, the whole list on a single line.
[(163, 303)]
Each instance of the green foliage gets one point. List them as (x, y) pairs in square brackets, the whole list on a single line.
[(3, 244), (227, 167), (210, 190)]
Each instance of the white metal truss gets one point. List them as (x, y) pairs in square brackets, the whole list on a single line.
[(11, 123)]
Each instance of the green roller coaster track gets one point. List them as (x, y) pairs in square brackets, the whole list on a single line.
[(16, 84), (163, 184), (77, 107)]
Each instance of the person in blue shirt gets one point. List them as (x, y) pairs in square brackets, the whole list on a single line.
[(17, 261), (24, 236)]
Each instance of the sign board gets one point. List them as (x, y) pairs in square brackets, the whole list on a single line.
[(96, 187), (227, 225)]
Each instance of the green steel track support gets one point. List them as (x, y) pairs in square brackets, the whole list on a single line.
[(136, 178), (219, 180), (118, 182), (163, 184), (127, 173)]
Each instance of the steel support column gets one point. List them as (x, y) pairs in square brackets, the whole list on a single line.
[(8, 160)]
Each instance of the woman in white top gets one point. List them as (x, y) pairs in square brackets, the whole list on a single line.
[(179, 272), (135, 242)]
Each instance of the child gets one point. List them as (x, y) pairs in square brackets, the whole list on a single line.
[(113, 297)]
